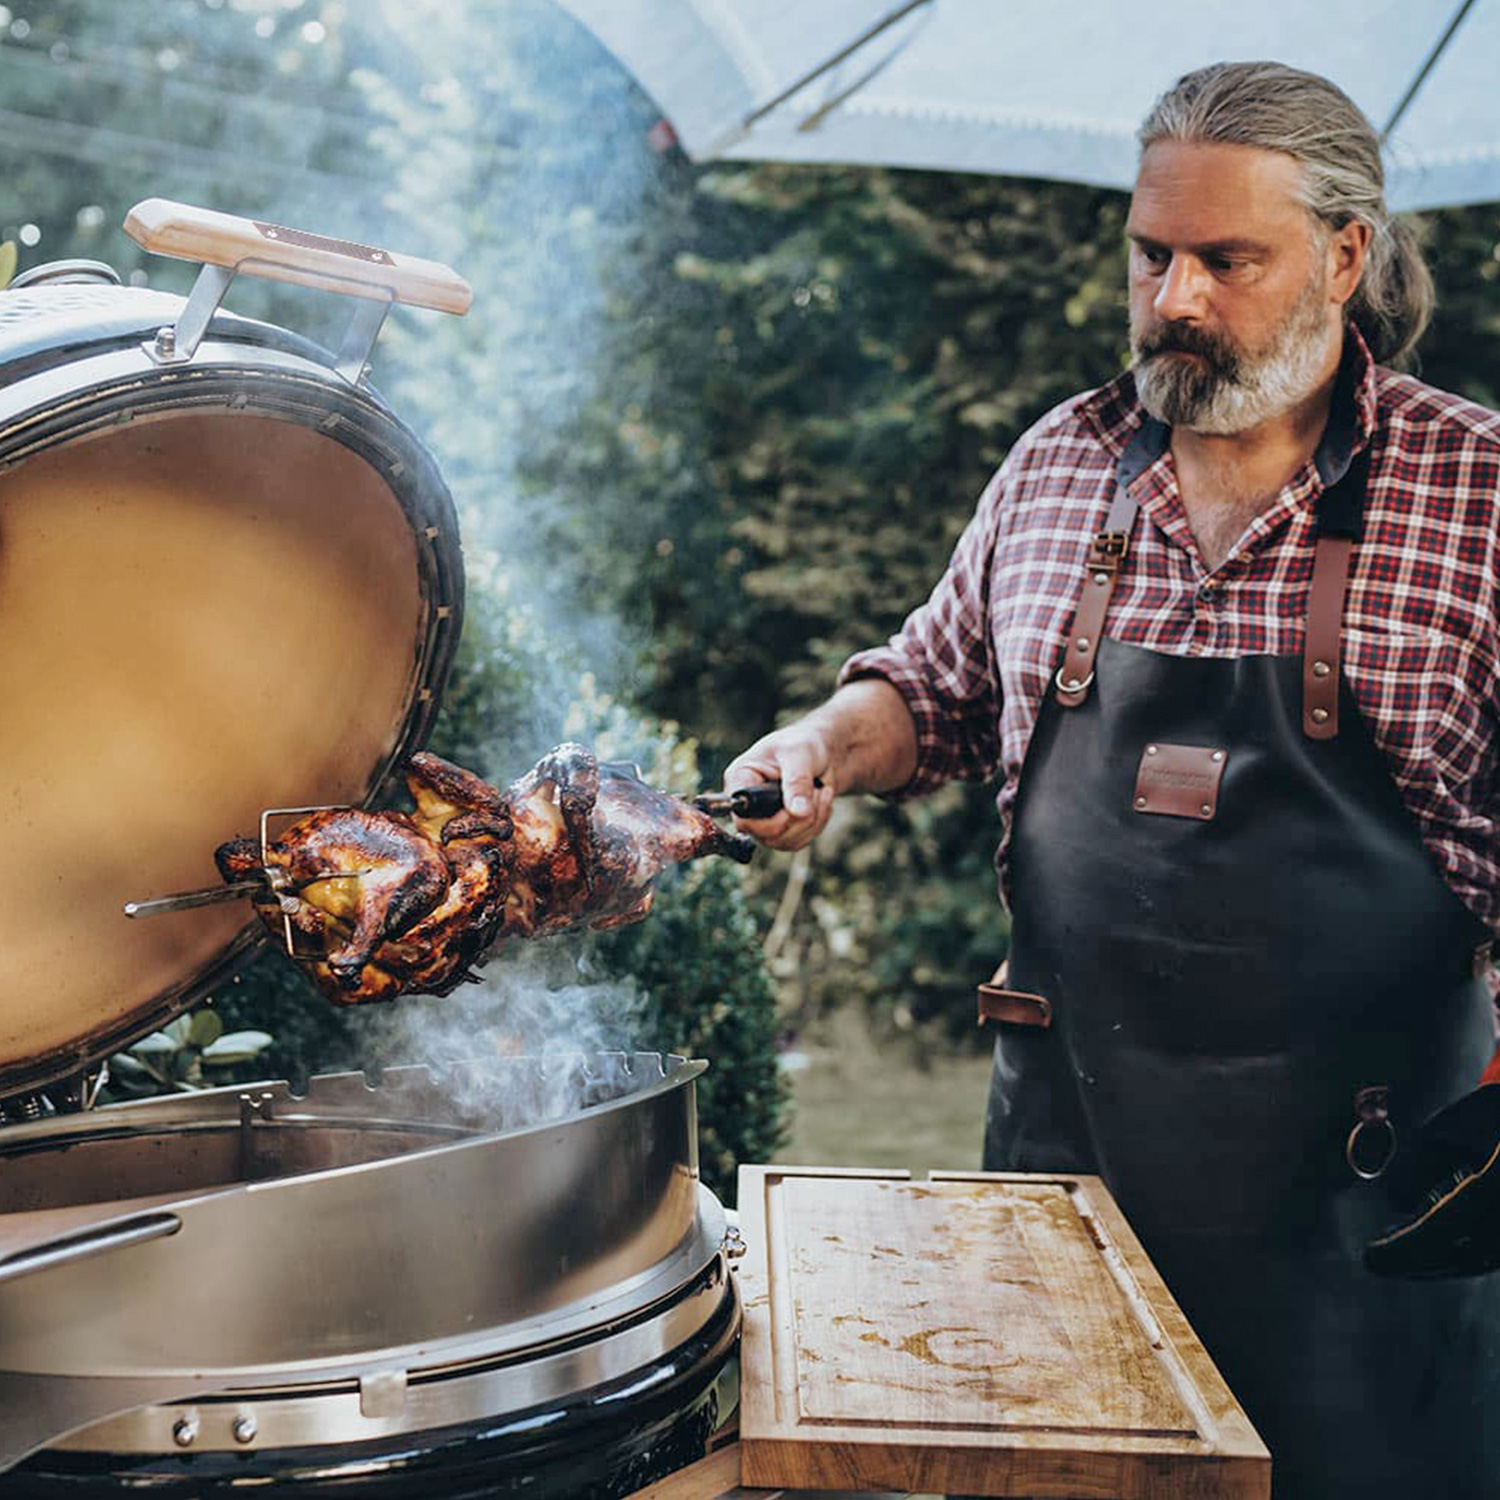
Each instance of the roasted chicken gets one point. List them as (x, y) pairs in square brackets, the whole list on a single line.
[(385, 904)]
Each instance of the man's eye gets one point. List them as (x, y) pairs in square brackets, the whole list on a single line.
[(1154, 256), (1227, 265)]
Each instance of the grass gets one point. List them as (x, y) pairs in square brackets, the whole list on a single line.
[(859, 1102)]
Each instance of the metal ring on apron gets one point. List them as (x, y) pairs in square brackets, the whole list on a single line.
[(1370, 1106), (1072, 685)]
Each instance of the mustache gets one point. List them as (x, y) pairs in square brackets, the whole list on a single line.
[(1183, 338)]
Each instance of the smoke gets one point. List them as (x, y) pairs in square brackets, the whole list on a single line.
[(541, 1002), (518, 153), (501, 140), (537, 997)]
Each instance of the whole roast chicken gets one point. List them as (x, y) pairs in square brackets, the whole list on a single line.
[(383, 904)]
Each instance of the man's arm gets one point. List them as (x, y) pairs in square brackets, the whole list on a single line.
[(863, 739), (908, 716)]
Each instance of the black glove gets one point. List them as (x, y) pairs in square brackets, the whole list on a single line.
[(1447, 1180)]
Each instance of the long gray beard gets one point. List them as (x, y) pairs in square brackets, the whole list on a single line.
[(1229, 395)]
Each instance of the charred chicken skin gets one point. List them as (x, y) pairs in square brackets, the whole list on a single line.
[(386, 904)]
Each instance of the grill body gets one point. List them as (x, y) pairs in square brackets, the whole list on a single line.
[(502, 1268)]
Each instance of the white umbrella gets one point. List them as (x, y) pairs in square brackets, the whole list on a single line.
[(1049, 88)]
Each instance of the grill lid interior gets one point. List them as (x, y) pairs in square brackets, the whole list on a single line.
[(204, 614)]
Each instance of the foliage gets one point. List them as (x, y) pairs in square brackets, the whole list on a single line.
[(192, 1052), (698, 958)]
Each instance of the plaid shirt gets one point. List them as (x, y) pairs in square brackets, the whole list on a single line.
[(1419, 643)]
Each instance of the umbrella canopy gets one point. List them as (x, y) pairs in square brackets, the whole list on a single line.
[(1038, 88)]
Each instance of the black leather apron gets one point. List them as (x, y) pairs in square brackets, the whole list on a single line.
[(1223, 987)]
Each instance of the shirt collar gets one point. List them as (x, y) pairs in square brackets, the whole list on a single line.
[(1136, 440), (1351, 419)]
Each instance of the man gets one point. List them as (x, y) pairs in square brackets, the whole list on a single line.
[(1225, 631)]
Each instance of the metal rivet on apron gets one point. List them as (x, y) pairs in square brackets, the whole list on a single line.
[(1140, 802), (1101, 578), (1218, 755), (1320, 716), (1321, 669), (1206, 810), (1150, 749), (1081, 644)]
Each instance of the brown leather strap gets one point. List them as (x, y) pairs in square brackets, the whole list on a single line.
[(1340, 521), (1320, 653), (1339, 515), (1013, 1007), (1107, 553)]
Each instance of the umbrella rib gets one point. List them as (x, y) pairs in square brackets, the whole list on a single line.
[(1411, 93), (849, 48)]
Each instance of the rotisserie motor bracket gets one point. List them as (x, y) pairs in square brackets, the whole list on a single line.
[(380, 904)]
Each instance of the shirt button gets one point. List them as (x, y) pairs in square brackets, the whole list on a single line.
[(1208, 589)]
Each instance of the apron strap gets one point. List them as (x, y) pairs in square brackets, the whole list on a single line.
[(1340, 511), (1106, 556)]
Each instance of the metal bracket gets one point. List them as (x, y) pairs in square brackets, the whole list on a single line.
[(359, 338), (253, 1107), (287, 901), (382, 1393), (178, 344)]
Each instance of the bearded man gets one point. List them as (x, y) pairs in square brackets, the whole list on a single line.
[(1224, 630)]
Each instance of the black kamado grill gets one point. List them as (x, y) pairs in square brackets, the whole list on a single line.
[(230, 582)]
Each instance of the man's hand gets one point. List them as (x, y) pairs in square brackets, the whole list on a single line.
[(1448, 1182), (799, 758), (862, 740)]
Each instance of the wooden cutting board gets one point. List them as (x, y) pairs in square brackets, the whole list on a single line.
[(979, 1333)]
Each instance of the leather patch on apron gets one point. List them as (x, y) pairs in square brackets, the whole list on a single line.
[(1179, 781)]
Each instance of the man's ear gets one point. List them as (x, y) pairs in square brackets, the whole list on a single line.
[(1346, 251)]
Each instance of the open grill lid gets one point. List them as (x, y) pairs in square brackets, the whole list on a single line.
[(230, 580)]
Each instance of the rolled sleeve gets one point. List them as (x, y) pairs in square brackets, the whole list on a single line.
[(942, 664)]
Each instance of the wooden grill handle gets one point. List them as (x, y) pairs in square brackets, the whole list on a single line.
[(258, 248)]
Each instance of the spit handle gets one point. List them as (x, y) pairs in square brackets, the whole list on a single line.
[(68, 1248), (760, 801), (255, 248), (186, 900)]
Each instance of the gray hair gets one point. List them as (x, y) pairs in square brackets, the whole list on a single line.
[(1315, 122)]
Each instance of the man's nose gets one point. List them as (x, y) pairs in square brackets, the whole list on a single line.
[(1181, 292)]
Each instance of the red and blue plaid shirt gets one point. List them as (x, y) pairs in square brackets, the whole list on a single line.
[(1419, 644)]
